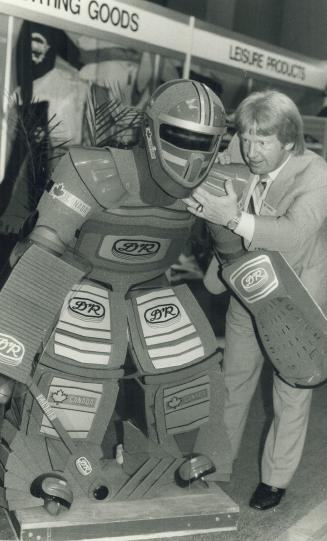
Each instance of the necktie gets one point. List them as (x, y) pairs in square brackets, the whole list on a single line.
[(260, 192)]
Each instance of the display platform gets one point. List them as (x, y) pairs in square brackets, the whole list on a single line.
[(177, 512)]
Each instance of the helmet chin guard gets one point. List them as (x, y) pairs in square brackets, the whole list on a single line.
[(183, 126)]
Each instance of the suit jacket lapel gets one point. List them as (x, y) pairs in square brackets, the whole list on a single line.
[(286, 177), (283, 180)]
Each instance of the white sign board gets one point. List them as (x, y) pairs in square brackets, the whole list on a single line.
[(145, 26), (253, 59), (118, 18)]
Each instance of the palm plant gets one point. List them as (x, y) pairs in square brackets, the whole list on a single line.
[(109, 121)]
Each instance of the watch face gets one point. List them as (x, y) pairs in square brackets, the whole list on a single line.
[(232, 224)]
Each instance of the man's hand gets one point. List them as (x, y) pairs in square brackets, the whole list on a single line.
[(213, 208)]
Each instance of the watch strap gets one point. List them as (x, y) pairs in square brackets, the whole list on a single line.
[(233, 222)]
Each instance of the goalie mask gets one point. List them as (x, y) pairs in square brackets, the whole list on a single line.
[(183, 126)]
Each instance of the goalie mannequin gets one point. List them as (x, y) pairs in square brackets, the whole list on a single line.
[(88, 304)]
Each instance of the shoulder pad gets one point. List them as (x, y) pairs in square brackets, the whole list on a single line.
[(309, 156), (215, 182), (97, 169)]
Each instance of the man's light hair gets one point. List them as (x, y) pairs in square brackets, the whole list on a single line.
[(273, 113)]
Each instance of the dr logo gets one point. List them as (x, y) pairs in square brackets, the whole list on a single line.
[(255, 279), (136, 248), (162, 314), (86, 308), (83, 465), (11, 350)]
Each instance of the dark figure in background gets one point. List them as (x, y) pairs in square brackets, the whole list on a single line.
[(27, 168), (37, 48), (282, 208), (89, 302)]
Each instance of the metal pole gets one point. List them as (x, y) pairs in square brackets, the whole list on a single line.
[(6, 97), (187, 61)]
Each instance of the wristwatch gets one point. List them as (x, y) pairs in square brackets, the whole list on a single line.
[(233, 222)]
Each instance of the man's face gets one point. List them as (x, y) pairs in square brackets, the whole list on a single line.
[(263, 153)]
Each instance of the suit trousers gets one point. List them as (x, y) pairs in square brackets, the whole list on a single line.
[(243, 362)]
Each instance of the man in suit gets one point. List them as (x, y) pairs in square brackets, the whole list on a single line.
[(282, 209)]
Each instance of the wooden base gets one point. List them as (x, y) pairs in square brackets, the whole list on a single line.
[(176, 512)]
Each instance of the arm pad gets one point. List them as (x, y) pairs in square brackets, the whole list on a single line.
[(30, 301)]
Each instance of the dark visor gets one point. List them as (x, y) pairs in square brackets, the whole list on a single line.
[(186, 139)]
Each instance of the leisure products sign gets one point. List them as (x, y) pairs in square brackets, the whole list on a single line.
[(256, 59), (169, 32)]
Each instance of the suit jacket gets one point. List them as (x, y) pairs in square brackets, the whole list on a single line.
[(293, 220)]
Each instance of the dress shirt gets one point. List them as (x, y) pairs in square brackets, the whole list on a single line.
[(246, 226)]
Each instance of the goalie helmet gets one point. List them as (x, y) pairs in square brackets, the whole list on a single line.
[(183, 125)]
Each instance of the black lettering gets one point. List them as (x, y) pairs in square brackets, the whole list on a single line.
[(93, 9), (168, 310), (238, 54), (115, 16), (270, 62), (155, 314), (130, 246), (104, 13), (245, 56), (255, 58), (283, 67), (231, 50), (81, 306), (146, 247), (235, 53), (278, 65), (75, 7), (294, 71), (298, 72), (124, 19), (258, 59), (135, 22), (93, 308)]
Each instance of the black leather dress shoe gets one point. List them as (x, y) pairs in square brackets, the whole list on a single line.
[(266, 496)]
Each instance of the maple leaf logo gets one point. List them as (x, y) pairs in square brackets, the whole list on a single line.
[(174, 402), (59, 396), (58, 190)]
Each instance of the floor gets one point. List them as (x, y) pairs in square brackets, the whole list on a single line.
[(302, 514)]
